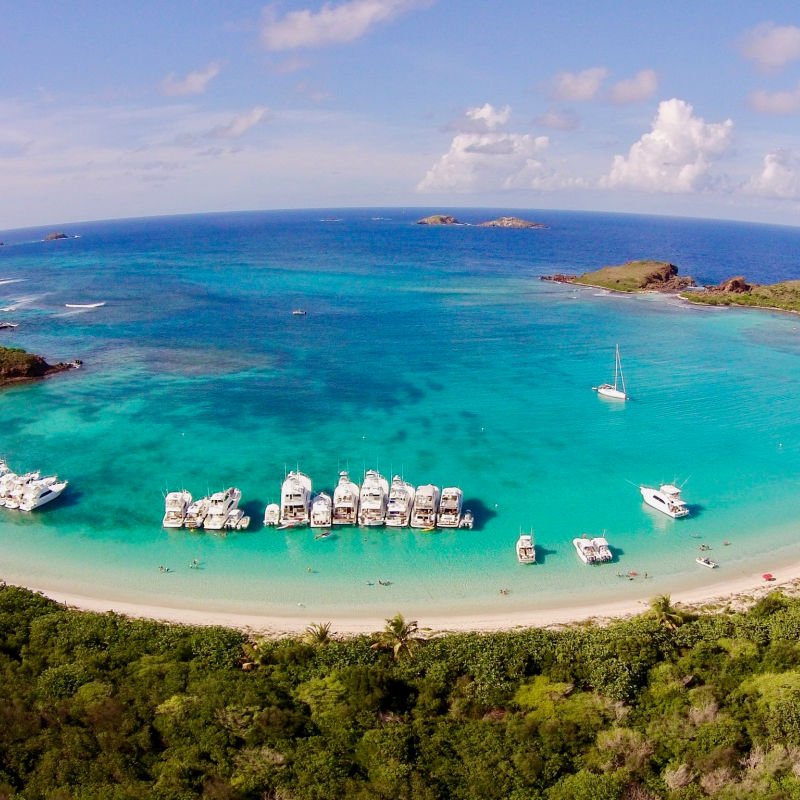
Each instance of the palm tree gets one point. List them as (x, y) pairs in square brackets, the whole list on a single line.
[(665, 613), (398, 636), (318, 633)]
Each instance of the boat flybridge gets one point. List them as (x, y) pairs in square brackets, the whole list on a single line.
[(295, 500), (345, 501), (666, 498), (401, 503), (37, 493), (450, 508), (176, 505), (373, 499), (526, 549), (426, 506), (613, 390), (197, 513), (221, 506), (321, 510)]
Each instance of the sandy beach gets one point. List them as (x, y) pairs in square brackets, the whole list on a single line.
[(735, 593)]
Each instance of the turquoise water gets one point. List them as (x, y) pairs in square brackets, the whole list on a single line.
[(435, 353)]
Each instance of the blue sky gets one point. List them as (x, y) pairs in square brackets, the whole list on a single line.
[(125, 110)]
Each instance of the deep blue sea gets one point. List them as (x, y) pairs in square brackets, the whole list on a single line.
[(431, 352)]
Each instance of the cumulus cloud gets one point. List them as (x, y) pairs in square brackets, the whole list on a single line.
[(194, 83), (558, 120), (786, 102), (240, 124), (771, 46), (578, 86), (636, 89), (675, 156), (779, 177), (332, 24), (482, 119)]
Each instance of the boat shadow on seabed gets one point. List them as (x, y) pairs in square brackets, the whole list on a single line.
[(480, 512)]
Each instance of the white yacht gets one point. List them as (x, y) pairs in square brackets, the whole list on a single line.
[(666, 498), (373, 498), (220, 506), (401, 503), (603, 550), (706, 562), (295, 500), (196, 513), (272, 514), (450, 507), (426, 504), (586, 550), (613, 390), (321, 511), (37, 493), (345, 501), (526, 549), (176, 505), (13, 487)]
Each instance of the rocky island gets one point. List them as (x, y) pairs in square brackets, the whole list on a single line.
[(53, 235), (633, 276), (17, 366), (439, 219), (783, 296), (511, 222)]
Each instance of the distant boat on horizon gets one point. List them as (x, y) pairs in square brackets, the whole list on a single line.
[(84, 305)]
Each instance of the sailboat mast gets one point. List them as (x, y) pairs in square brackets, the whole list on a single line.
[(621, 375), (616, 367)]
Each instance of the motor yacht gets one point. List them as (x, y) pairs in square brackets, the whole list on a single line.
[(400, 504), (176, 505), (426, 504), (373, 499), (345, 501), (666, 498), (220, 506), (13, 487), (603, 550), (450, 507), (196, 513), (272, 514), (295, 500), (526, 549), (321, 510), (586, 550), (37, 493)]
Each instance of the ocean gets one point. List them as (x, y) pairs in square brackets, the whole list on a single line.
[(434, 353)]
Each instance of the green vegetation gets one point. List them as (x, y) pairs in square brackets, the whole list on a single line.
[(635, 276), (16, 363), (784, 296), (100, 707)]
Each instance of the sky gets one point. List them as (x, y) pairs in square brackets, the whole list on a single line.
[(112, 110)]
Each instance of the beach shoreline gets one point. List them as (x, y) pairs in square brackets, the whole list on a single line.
[(736, 593)]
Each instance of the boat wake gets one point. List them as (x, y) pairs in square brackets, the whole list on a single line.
[(84, 305)]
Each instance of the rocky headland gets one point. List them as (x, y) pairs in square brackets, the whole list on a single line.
[(17, 366), (782, 296), (633, 276)]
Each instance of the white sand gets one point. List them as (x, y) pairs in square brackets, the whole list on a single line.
[(738, 592)]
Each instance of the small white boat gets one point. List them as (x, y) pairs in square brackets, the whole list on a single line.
[(321, 511), (706, 562), (176, 505), (84, 305), (373, 499), (8, 325), (272, 515), (467, 520), (586, 550), (196, 513), (603, 550), (299, 312), (666, 498), (37, 493), (237, 521), (295, 500), (345, 501), (401, 503), (450, 507), (426, 505), (612, 390), (526, 549), (220, 507)]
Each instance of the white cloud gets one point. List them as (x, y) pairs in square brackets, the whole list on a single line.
[(194, 83), (636, 89), (578, 86), (787, 102), (771, 46), (240, 124), (558, 120), (779, 177), (331, 24), (675, 156), (482, 119)]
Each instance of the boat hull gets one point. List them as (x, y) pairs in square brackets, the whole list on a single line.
[(611, 392), (652, 498)]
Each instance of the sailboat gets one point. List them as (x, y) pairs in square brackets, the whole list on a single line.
[(613, 390)]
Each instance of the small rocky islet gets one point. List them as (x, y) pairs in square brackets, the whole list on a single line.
[(17, 366), (500, 222)]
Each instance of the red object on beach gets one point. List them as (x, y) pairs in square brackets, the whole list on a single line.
[(633, 572), (768, 576)]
